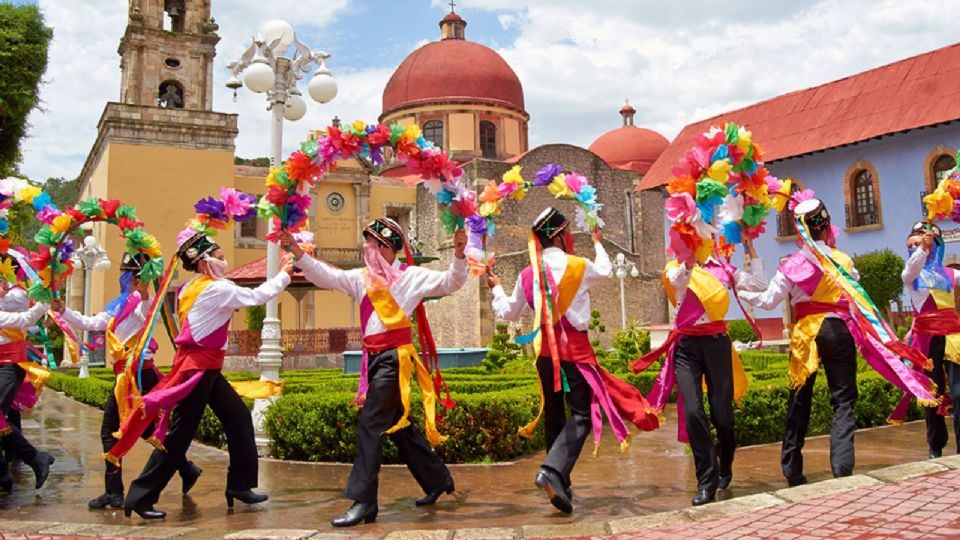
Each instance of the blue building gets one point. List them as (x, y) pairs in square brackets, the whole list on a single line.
[(871, 145)]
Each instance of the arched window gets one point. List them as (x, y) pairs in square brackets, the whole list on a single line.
[(941, 167), (433, 132), (488, 139), (170, 95), (864, 199), (785, 223)]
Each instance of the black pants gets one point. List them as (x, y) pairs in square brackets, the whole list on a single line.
[(838, 355), (381, 410), (113, 476), (696, 358), (563, 452), (215, 391), (11, 377), (944, 371)]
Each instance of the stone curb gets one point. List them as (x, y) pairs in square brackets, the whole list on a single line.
[(727, 508)]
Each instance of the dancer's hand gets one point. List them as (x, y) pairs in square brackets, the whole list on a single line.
[(286, 264), (287, 240), (492, 279), (57, 305), (597, 235), (459, 242), (927, 242)]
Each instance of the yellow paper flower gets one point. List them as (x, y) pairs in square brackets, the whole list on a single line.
[(720, 170), (45, 277), (489, 208), (153, 247), (7, 272), (704, 250), (272, 178), (61, 223), (412, 132), (743, 139), (779, 199), (513, 176), (28, 193), (519, 193), (760, 194), (559, 187), (358, 125), (939, 203)]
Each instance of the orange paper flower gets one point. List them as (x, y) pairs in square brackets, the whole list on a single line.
[(682, 184)]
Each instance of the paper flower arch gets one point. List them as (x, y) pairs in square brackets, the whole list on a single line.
[(720, 195), (55, 241), (214, 215)]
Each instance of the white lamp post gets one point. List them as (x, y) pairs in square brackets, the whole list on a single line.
[(92, 257), (621, 267), (265, 68)]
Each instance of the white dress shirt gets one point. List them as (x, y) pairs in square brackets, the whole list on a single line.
[(512, 307), (413, 285), (911, 271), (769, 296), (15, 311), (215, 305), (127, 328)]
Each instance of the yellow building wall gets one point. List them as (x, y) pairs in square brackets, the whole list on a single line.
[(511, 136), (383, 196), (335, 229), (462, 131)]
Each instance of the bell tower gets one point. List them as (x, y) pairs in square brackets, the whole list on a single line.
[(166, 54)]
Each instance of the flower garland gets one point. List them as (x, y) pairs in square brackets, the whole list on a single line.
[(287, 200), (55, 241), (720, 195), (214, 215), (944, 202)]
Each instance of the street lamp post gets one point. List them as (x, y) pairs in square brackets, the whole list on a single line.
[(92, 257), (621, 267), (266, 69)]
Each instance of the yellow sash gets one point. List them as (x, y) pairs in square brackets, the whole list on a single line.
[(409, 361), (804, 357), (125, 390), (945, 300)]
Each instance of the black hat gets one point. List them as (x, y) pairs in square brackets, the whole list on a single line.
[(549, 224), (195, 249), (814, 213), (133, 263), (924, 227), (386, 231)]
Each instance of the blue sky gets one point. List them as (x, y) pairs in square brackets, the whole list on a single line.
[(677, 61)]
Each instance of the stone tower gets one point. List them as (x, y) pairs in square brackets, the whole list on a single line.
[(167, 54)]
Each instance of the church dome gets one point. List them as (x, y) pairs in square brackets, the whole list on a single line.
[(453, 69), (630, 147)]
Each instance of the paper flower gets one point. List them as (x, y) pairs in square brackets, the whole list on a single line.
[(545, 176), (799, 197), (559, 188), (682, 184), (939, 204), (680, 207)]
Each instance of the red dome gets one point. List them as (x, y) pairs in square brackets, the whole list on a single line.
[(453, 69), (630, 148)]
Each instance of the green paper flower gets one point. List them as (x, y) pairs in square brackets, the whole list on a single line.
[(708, 189), (45, 237), (450, 221), (309, 147), (137, 240), (127, 211), (266, 209), (396, 131), (754, 214), (39, 294), (732, 132), (152, 270), (90, 207)]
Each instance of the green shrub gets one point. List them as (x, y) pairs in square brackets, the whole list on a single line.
[(502, 349), (254, 316), (629, 343), (880, 276), (740, 330)]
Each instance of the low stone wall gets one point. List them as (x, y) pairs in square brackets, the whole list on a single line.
[(305, 361)]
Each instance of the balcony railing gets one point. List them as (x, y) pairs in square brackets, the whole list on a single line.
[(297, 342)]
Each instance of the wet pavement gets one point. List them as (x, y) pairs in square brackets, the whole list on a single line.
[(655, 474)]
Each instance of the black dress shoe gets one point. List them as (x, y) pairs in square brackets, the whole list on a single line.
[(113, 500), (6, 481), (935, 453), (704, 496), (41, 467), (797, 481), (549, 481), (724, 480), (189, 476), (145, 513), (360, 511), (246, 496), (432, 497)]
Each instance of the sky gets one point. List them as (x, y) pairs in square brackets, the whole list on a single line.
[(578, 61)]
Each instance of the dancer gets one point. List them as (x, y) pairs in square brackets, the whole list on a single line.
[(205, 306), (698, 349), (123, 320), (936, 326), (387, 292), (15, 317), (569, 357)]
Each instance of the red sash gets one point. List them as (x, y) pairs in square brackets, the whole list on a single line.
[(806, 309), (706, 329), (120, 365), (573, 345), (390, 339), (14, 352), (941, 322)]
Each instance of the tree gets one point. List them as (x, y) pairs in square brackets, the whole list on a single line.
[(880, 277), (24, 42)]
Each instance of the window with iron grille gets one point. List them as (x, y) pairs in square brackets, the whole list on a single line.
[(488, 139), (864, 200), (941, 168), (785, 224), (433, 132)]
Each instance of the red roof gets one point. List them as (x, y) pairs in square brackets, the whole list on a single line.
[(255, 273), (630, 148), (916, 92), (453, 69)]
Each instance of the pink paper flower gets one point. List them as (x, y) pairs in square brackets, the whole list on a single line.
[(680, 207), (801, 196), (575, 182), (232, 203)]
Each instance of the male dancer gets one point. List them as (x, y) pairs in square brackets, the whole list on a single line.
[(936, 326), (123, 320), (388, 292), (820, 335), (205, 305), (697, 349), (568, 280), (15, 317)]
